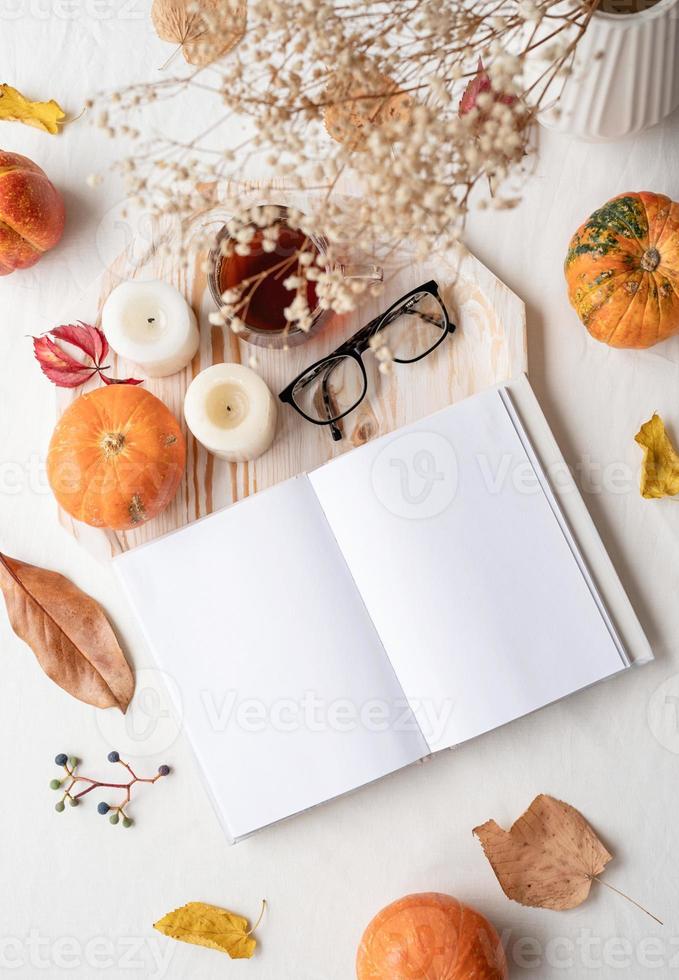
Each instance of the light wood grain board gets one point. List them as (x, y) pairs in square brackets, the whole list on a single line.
[(488, 346)]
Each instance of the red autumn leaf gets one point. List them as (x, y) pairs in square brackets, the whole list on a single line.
[(478, 85), (64, 370), (59, 366), (90, 340), (120, 381)]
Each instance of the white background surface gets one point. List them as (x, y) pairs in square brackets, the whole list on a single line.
[(79, 896)]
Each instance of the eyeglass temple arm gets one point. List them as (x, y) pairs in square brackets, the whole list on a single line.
[(325, 394), (366, 332), (335, 430), (428, 319)]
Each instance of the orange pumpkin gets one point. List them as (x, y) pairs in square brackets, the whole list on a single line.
[(430, 937), (622, 270), (116, 457)]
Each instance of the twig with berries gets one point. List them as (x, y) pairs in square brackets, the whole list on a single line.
[(70, 782)]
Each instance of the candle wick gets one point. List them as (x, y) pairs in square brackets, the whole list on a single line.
[(228, 408), (151, 319)]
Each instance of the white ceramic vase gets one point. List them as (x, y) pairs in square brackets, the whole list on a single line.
[(625, 77)]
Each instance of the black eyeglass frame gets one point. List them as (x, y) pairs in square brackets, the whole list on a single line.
[(357, 345)]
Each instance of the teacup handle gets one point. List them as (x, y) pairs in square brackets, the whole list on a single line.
[(354, 270)]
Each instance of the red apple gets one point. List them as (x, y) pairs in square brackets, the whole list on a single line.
[(31, 213)]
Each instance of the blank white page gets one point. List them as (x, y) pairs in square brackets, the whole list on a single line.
[(470, 580), (287, 694)]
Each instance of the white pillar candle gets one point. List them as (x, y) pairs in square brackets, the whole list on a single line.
[(230, 411), (151, 324)]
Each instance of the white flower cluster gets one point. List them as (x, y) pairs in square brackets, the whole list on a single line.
[(358, 98)]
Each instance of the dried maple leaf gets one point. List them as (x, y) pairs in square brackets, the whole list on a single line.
[(208, 925), (478, 85), (67, 372), (660, 466), (43, 115), (549, 856), (68, 632), (205, 30)]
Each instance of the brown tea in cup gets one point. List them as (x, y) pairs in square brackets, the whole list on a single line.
[(625, 7), (268, 271), (258, 277)]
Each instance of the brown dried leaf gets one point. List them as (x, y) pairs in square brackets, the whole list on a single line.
[(68, 632), (548, 858), (205, 30), (370, 102)]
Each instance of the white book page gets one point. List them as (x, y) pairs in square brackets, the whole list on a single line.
[(287, 694), (472, 584)]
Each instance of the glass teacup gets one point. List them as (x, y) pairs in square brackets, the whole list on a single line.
[(263, 275)]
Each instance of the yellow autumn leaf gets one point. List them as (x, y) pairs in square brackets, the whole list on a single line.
[(208, 925), (660, 466), (42, 115)]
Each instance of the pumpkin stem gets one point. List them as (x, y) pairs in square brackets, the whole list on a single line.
[(650, 260), (112, 443)]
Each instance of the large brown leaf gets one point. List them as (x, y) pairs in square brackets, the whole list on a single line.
[(68, 632), (549, 857)]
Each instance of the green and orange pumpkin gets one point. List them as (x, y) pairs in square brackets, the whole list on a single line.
[(622, 270)]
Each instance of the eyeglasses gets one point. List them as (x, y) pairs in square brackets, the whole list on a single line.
[(411, 328)]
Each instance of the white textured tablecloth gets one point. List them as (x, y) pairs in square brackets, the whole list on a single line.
[(78, 896)]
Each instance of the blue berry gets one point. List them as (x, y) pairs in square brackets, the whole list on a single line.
[(61, 759), (113, 757), (103, 808), (163, 770)]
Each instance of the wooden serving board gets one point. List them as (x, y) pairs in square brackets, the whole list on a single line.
[(488, 346)]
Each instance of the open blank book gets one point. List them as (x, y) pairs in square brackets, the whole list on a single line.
[(408, 595)]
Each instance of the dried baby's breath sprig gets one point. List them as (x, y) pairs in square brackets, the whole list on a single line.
[(340, 96), (382, 352)]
